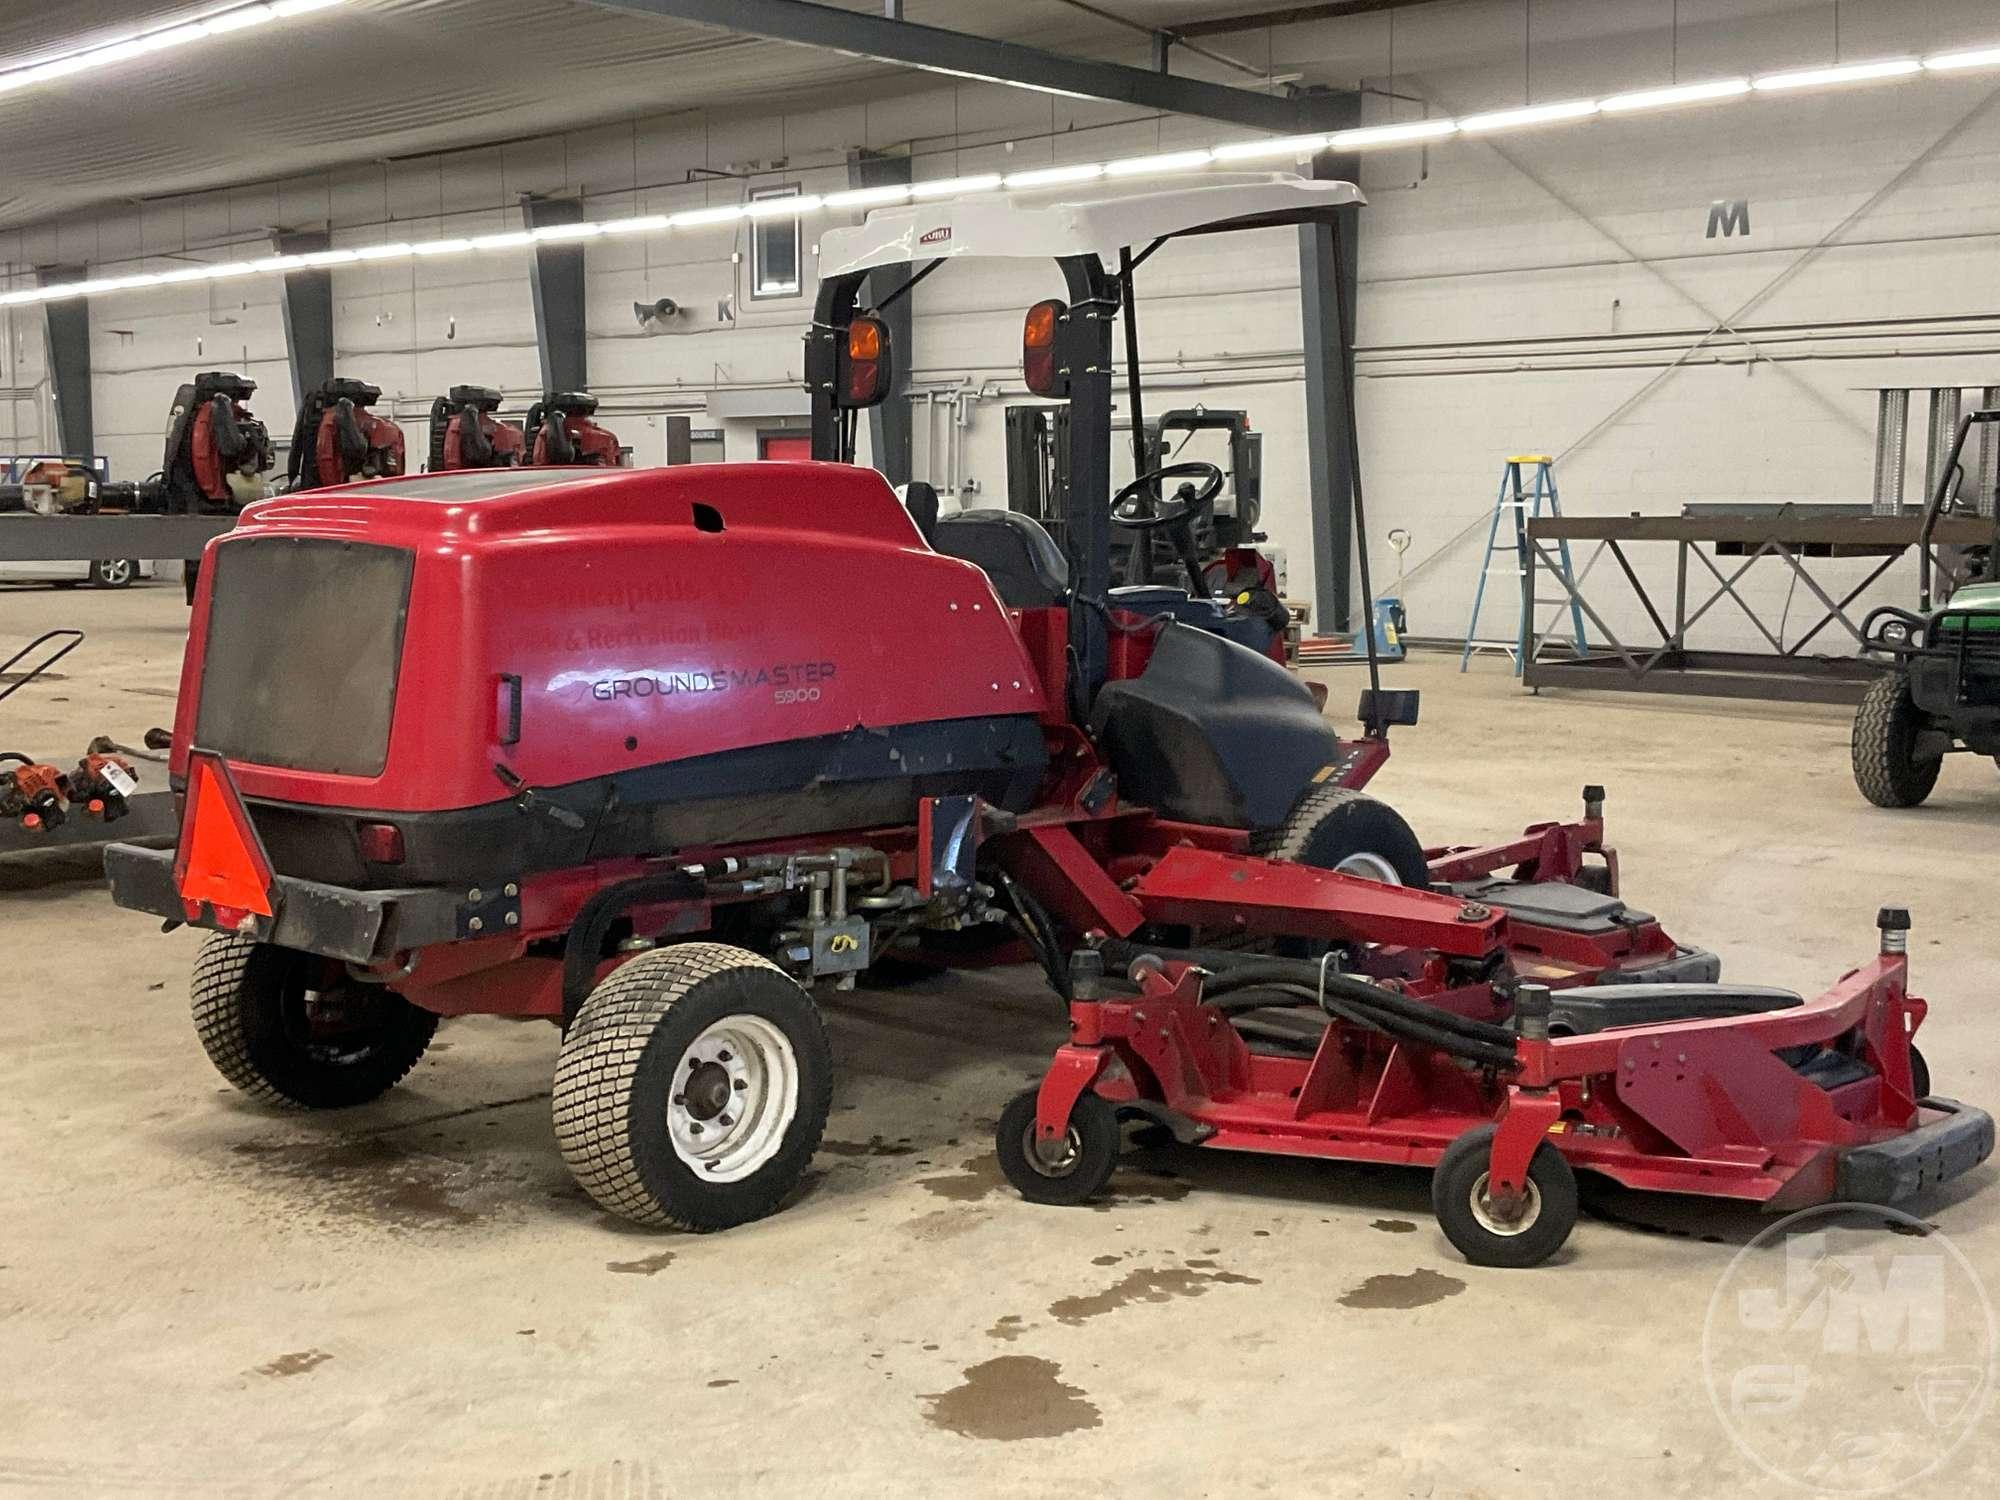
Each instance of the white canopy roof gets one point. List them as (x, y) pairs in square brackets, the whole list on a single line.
[(1047, 224)]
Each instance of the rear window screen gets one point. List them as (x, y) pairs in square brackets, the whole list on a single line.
[(304, 638)]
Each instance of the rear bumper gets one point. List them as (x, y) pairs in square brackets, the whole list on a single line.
[(363, 927), (1893, 1170)]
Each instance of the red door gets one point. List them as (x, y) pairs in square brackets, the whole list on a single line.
[(784, 446)]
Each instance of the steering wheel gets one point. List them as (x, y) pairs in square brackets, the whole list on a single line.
[(1138, 507)]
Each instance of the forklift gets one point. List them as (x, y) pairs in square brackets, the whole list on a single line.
[(1941, 694)]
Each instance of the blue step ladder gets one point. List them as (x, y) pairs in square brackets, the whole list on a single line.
[(1522, 500)]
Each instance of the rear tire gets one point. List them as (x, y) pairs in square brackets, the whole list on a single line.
[(1886, 725), (1088, 1157), (1337, 828), (1469, 1218), (271, 1029), (693, 1087)]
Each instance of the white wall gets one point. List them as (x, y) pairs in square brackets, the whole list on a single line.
[(1518, 294)]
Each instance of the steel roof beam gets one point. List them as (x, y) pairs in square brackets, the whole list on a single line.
[(936, 50)]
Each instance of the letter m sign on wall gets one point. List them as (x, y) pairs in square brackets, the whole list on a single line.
[(1727, 216)]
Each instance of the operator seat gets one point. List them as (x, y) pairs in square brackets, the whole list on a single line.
[(921, 501), (1027, 569)]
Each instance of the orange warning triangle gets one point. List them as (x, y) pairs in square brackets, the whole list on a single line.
[(220, 861)]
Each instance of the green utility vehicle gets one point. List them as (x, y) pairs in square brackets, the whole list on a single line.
[(1942, 690)]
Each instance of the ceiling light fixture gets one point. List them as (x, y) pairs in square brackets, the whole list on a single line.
[(797, 206), (166, 39), (1812, 78), (1686, 93)]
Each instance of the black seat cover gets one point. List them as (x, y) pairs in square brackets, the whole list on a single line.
[(1026, 567), (921, 501), (1212, 732)]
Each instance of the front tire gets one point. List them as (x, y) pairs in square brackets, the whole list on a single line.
[(693, 1087), (293, 1030), (1471, 1220), (1077, 1170), (1886, 725)]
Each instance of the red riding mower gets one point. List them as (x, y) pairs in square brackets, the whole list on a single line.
[(513, 745), (337, 440), (562, 433), (466, 435)]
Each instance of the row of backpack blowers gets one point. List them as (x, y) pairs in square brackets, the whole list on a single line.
[(218, 453)]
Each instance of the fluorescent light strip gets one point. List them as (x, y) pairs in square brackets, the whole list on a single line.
[(1172, 162), (1686, 93), (1291, 145), (1391, 135), (1812, 78), (1534, 114), (1946, 62), (145, 44)]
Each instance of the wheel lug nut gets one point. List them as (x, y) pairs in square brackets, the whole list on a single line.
[(694, 1127), (681, 1100), (722, 1056), (740, 1085), (725, 1122)]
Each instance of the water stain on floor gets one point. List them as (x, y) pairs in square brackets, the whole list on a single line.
[(295, 1364), (716, 1385), (650, 1265), (1144, 1284), (875, 1145), (1393, 1226), (1105, 1260), (973, 1180), (373, 1178), (1420, 1288), (1012, 1397), (1008, 1328)]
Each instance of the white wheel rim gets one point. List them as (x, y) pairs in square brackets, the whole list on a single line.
[(735, 1093), (1366, 865), (114, 572), (1491, 1221)]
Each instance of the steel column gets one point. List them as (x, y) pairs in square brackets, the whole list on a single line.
[(1329, 365), (937, 50), (308, 314), (558, 280), (890, 422), (67, 325)]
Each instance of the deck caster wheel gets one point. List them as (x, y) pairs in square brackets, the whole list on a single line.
[(290, 1029), (1066, 1172), (1488, 1233), (693, 1087), (1920, 1075), (1349, 832)]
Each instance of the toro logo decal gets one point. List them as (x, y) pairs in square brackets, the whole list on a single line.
[(935, 236)]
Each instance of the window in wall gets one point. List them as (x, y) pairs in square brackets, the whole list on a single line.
[(774, 250)]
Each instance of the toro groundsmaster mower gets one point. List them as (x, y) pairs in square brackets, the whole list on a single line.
[(614, 750), (1942, 691)]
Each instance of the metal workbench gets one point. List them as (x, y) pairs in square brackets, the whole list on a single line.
[(1793, 536)]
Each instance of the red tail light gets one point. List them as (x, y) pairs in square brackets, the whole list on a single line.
[(864, 363), (381, 843), (1041, 343)]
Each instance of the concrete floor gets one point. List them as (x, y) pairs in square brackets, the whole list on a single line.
[(201, 1297)]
